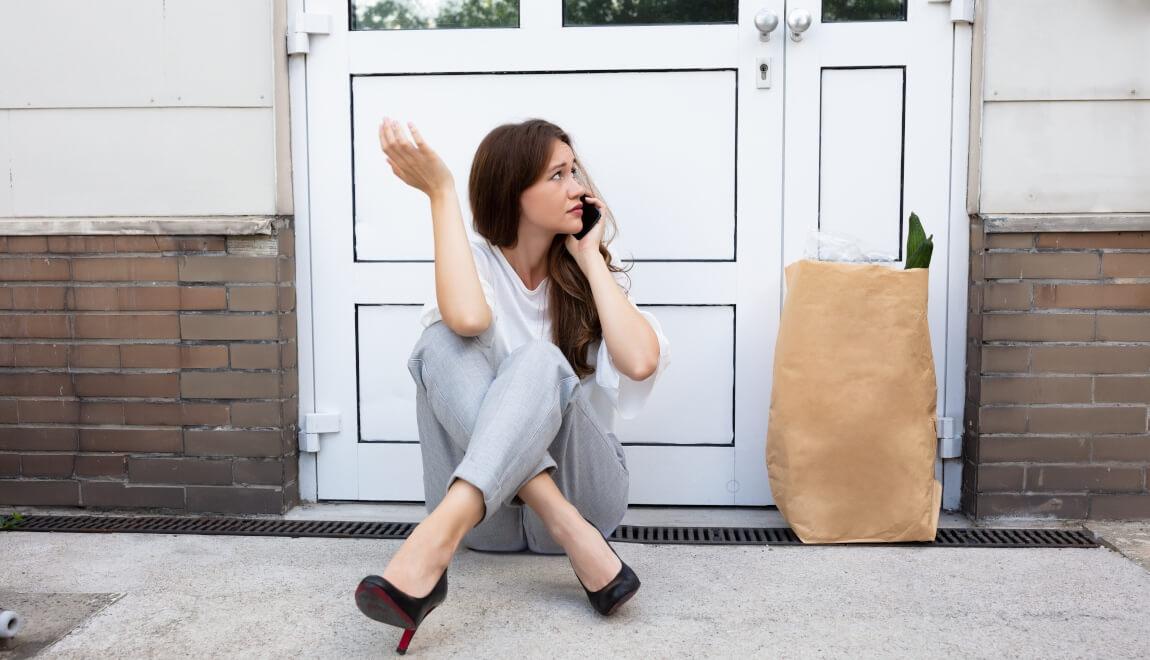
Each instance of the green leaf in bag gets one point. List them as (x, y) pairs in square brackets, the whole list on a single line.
[(918, 246), (921, 257)]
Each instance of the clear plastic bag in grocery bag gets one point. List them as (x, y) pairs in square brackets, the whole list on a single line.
[(832, 246)]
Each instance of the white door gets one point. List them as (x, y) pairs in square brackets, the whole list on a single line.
[(687, 146), (868, 129)]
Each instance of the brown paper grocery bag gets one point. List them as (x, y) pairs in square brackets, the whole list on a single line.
[(851, 440)]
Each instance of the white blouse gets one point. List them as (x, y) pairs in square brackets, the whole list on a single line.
[(519, 314)]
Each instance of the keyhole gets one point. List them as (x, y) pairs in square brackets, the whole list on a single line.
[(763, 71)]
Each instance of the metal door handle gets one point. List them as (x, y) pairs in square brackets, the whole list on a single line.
[(766, 21), (798, 20)]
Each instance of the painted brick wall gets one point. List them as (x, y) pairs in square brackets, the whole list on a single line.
[(1058, 375), (149, 371)]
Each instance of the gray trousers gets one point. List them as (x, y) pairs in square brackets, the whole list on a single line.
[(499, 429)]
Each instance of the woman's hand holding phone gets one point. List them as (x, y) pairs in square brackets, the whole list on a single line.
[(416, 164), (590, 215), (588, 246)]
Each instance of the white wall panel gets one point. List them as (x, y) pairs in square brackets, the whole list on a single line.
[(135, 53), (170, 161), (1067, 49), (77, 53), (219, 52), (1066, 157)]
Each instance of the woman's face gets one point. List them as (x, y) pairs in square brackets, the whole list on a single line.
[(547, 203)]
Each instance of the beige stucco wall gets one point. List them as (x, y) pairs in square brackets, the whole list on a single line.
[(143, 115), (1061, 113)]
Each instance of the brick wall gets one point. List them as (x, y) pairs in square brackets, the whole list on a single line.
[(149, 371), (1058, 375)]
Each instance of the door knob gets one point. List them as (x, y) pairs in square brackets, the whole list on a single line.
[(766, 21), (798, 20)]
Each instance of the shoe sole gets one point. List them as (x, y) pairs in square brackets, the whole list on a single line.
[(376, 604)]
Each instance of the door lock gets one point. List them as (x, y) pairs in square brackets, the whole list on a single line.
[(763, 72)]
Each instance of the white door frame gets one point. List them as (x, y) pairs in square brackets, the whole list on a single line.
[(958, 225)]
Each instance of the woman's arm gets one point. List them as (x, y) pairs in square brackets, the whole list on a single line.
[(631, 341), (457, 289)]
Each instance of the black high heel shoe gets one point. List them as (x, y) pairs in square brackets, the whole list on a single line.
[(383, 601), (616, 592)]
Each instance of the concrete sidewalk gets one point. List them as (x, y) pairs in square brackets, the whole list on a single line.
[(150, 595)]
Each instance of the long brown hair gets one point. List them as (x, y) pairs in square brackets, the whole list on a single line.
[(510, 159)]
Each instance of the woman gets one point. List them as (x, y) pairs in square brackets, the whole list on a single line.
[(530, 347)]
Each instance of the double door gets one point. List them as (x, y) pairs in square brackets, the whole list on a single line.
[(718, 151)]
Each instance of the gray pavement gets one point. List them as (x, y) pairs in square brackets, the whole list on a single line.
[(170, 596)]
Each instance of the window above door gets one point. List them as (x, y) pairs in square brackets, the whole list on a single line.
[(454, 14), (433, 14), (850, 11), (648, 12)]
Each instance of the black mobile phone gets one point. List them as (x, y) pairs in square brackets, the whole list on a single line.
[(590, 217)]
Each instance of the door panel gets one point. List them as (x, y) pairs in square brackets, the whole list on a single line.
[(654, 109), (860, 155), (628, 128), (868, 127)]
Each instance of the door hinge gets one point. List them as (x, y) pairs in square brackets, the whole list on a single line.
[(304, 25), (313, 425), (961, 11), (949, 441)]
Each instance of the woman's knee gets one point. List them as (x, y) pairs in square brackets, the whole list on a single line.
[(544, 356), (538, 350), (437, 344), (434, 337)]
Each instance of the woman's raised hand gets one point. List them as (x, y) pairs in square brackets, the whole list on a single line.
[(416, 163)]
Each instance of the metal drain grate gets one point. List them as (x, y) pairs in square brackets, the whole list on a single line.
[(944, 538), (215, 525)]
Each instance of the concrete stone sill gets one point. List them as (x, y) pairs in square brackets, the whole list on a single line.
[(1007, 223), (218, 225)]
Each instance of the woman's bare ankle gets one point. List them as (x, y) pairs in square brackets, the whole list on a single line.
[(462, 509), (567, 525)]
